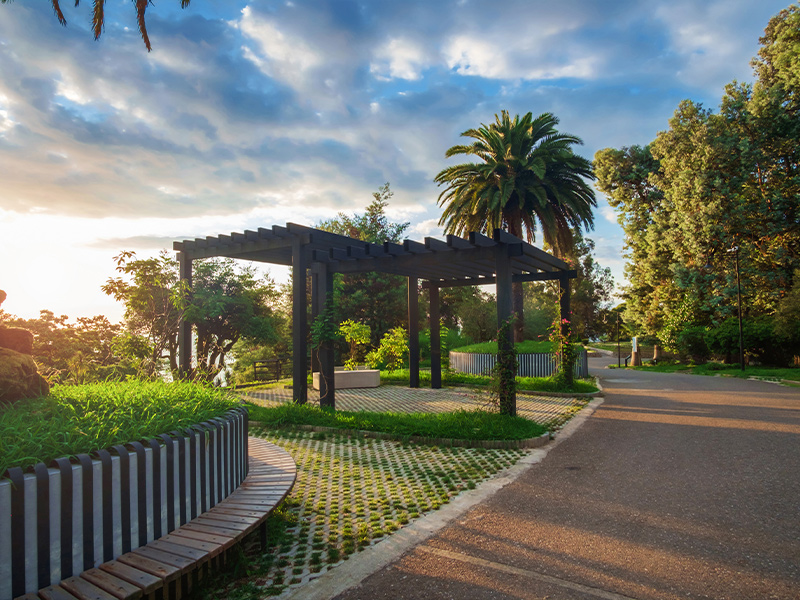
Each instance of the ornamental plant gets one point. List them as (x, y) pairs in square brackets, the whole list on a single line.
[(357, 335), (391, 352)]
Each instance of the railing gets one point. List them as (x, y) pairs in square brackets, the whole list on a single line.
[(71, 516), (538, 364)]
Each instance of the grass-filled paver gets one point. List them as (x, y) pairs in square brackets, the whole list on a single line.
[(350, 493)]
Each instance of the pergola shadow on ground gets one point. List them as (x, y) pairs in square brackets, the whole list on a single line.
[(480, 260)]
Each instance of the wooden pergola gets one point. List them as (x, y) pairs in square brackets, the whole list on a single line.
[(480, 260)]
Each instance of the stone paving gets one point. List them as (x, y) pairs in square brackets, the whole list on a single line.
[(395, 398)]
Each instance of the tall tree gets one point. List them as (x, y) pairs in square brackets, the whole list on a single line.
[(715, 182), (528, 174), (227, 304), (376, 299)]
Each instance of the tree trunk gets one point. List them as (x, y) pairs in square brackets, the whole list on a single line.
[(517, 299)]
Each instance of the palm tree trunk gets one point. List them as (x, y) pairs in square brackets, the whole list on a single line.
[(516, 308)]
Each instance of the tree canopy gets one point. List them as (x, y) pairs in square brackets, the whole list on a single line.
[(712, 183), (527, 178)]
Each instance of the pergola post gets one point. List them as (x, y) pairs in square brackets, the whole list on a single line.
[(185, 328), (327, 387), (299, 323), (505, 330), (566, 321), (436, 347), (413, 332)]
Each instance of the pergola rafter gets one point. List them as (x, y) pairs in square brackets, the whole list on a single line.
[(479, 260)]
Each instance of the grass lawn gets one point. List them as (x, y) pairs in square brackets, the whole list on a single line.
[(732, 370), (460, 425), (529, 346), (532, 384), (75, 419)]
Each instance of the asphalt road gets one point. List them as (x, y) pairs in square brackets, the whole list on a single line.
[(678, 486)]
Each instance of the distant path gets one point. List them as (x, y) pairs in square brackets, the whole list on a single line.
[(679, 486)]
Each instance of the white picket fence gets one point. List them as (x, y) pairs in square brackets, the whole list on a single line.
[(538, 364), (71, 516)]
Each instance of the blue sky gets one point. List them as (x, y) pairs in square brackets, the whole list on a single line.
[(249, 114)]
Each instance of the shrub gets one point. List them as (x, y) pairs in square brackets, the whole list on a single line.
[(691, 343), (392, 351)]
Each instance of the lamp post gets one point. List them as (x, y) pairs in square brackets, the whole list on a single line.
[(735, 251), (739, 306), (619, 352)]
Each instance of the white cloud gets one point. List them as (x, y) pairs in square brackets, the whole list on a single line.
[(399, 58)]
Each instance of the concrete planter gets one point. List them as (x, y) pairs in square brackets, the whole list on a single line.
[(346, 380)]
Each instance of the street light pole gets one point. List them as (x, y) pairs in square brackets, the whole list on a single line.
[(619, 353), (739, 306)]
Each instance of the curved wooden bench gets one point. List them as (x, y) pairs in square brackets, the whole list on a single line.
[(171, 565)]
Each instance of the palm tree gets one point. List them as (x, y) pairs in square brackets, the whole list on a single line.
[(98, 16), (528, 175)]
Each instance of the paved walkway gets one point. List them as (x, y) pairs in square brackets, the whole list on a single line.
[(395, 398), (678, 486)]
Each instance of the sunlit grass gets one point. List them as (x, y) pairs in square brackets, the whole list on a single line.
[(530, 384), (528, 346), (460, 425), (84, 418)]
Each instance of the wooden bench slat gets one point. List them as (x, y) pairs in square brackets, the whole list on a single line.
[(213, 529), (55, 592), (238, 512), (115, 586), (165, 559), (209, 548), (83, 590), (28, 596), (213, 539), (193, 554), (210, 521), (137, 577), (228, 517)]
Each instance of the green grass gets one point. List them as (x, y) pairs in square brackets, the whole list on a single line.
[(83, 418), (460, 425), (530, 384), (729, 370), (529, 346)]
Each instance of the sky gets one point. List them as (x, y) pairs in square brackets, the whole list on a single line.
[(252, 114)]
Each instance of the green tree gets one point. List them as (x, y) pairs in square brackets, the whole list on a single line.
[(227, 304), (528, 174), (711, 183), (99, 16), (376, 299), (150, 290)]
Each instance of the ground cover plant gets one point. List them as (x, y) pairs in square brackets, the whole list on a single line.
[(728, 370), (350, 493), (460, 425), (75, 419), (531, 384), (528, 346)]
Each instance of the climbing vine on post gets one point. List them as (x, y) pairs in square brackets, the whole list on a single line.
[(566, 350), (503, 388)]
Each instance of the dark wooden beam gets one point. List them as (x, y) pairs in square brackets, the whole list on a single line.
[(505, 335), (549, 276), (185, 328), (413, 332), (327, 382), (299, 322), (436, 351)]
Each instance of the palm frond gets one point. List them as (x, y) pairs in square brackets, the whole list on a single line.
[(98, 18), (59, 14), (141, 7)]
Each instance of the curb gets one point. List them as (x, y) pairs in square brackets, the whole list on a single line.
[(535, 442)]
